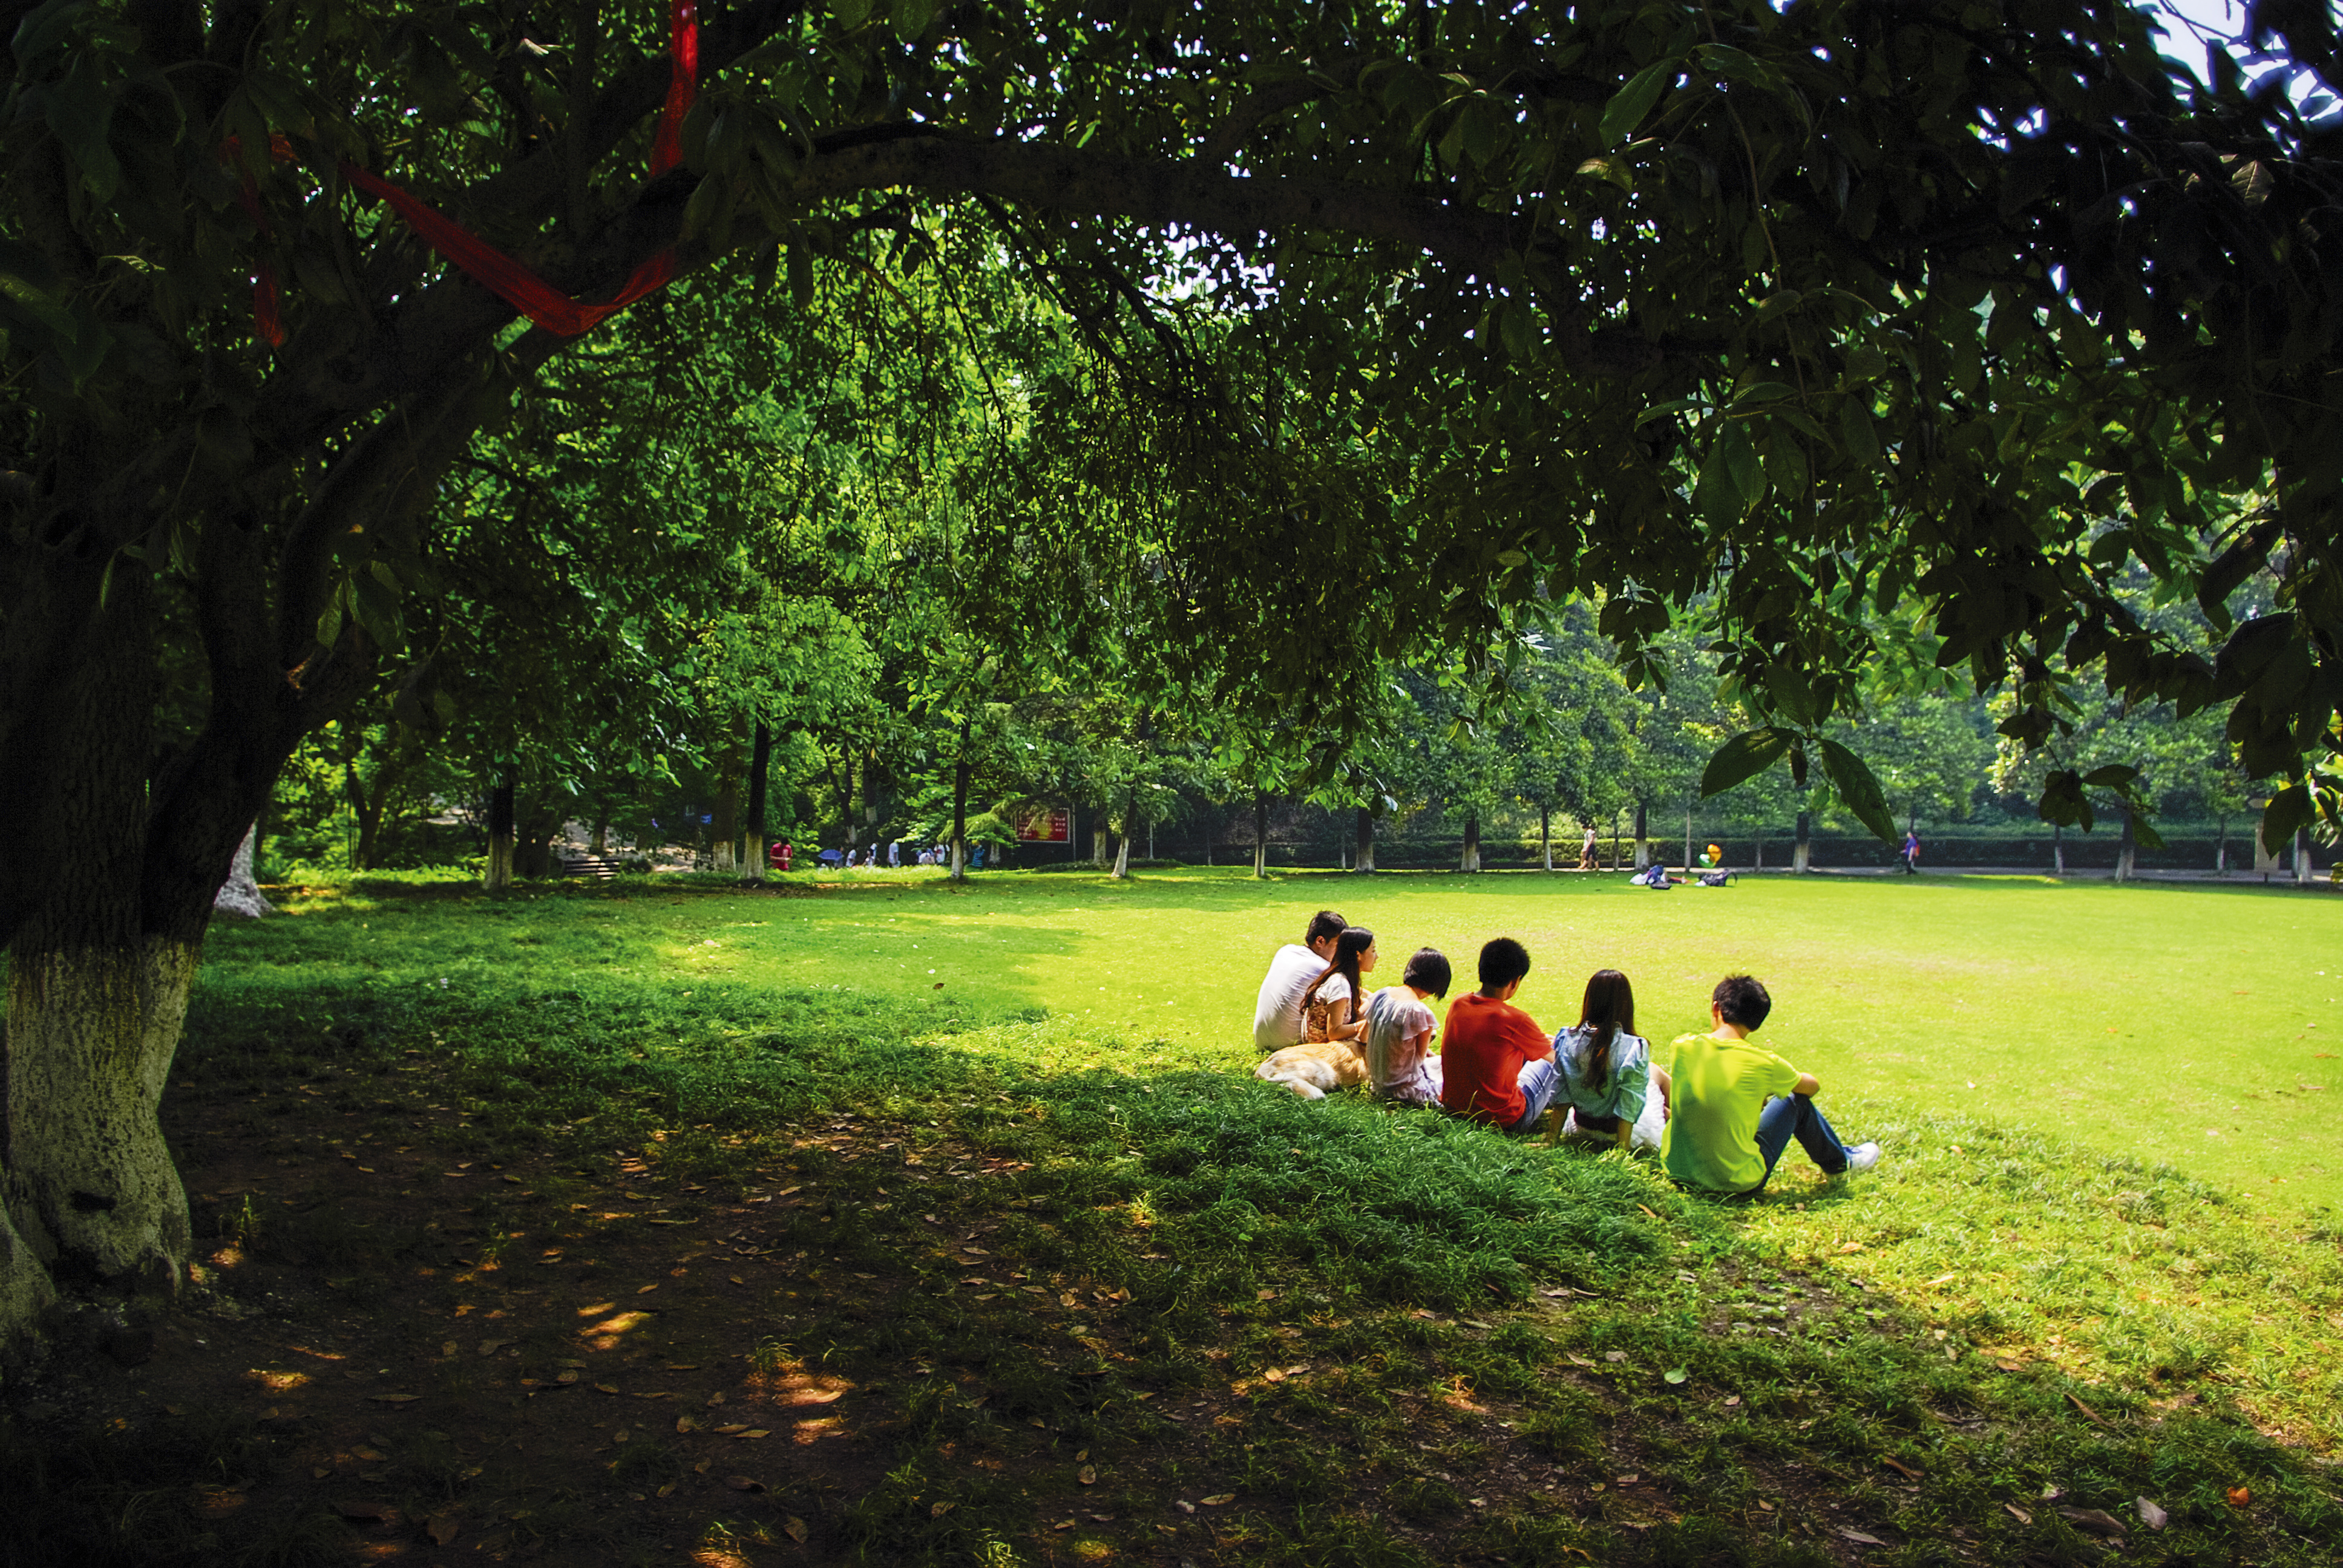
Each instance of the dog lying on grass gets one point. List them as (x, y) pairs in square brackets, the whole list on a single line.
[(1316, 1069)]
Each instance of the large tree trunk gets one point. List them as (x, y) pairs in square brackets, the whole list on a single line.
[(499, 876), (1364, 837), (1802, 852), (2127, 851), (91, 1032), (761, 762), (1643, 838), (240, 895), (1100, 839), (1260, 834), (2221, 846), (1470, 860)]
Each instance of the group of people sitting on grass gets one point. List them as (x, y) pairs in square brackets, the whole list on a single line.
[(1719, 1121)]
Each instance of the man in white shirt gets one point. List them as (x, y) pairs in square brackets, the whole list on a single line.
[(1277, 1015)]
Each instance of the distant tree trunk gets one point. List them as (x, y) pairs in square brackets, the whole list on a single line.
[(845, 798), (2058, 849), (370, 803), (1546, 837), (1121, 872), (960, 807), (2302, 857), (726, 833), (600, 844), (240, 895), (1100, 838), (1802, 851), (1643, 841), (2221, 846), (1470, 858), (534, 831), (1365, 839), (761, 762), (1687, 840), (1757, 852), (1260, 834), (1614, 841), (2127, 851), (500, 836)]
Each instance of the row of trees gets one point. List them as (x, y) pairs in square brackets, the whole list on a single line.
[(1232, 357)]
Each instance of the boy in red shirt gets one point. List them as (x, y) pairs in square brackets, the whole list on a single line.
[(1498, 1063)]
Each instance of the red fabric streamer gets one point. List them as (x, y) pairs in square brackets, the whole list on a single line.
[(499, 274)]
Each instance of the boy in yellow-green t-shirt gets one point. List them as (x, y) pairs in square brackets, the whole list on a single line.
[(1734, 1105)]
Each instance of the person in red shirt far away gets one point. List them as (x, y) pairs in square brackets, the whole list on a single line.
[(1498, 1063)]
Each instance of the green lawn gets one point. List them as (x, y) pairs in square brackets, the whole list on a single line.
[(2170, 1022), (2103, 1300)]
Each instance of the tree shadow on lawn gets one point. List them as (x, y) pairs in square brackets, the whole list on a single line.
[(976, 1302)]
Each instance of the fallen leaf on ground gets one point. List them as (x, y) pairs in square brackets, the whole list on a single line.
[(621, 1435), (1580, 1361), (1859, 1538), (1675, 1376), (1087, 1475), (2152, 1516), (2238, 1496), (1614, 1355), (2087, 1410), (743, 1483), (2019, 1514), (1218, 1499), (394, 1398), (448, 1347), (362, 1510), (442, 1528), (938, 1511), (1908, 1472), (2097, 1521), (795, 1529)]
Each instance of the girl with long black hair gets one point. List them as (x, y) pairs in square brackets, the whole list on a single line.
[(1332, 1008), (1606, 1071)]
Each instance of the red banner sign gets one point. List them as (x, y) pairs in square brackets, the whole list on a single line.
[(1046, 828)]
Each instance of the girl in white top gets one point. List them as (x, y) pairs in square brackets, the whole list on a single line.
[(1329, 1006), (1399, 1027), (1606, 1070)]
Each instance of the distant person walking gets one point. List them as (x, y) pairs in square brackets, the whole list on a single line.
[(1586, 851), (1911, 851)]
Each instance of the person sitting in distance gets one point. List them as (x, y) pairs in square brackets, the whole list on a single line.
[(1277, 1012), (1496, 1063), (1607, 1076), (1398, 1030), (1734, 1105)]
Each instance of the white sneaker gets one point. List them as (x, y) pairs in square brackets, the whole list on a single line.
[(1862, 1157)]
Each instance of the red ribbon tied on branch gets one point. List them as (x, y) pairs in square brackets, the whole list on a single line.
[(499, 274)]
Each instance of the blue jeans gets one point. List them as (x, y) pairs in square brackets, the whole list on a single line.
[(1538, 1081), (1794, 1116)]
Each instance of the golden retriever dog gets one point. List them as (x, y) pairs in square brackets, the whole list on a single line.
[(1315, 1069)]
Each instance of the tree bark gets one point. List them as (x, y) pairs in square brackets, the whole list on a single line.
[(240, 895), (1470, 860), (1098, 841), (1546, 839), (2058, 849), (499, 876), (725, 833), (1802, 851), (91, 1034), (1689, 841), (1259, 835), (2127, 851), (760, 763), (1364, 837), (2221, 846), (959, 805), (2301, 857), (1643, 838)]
